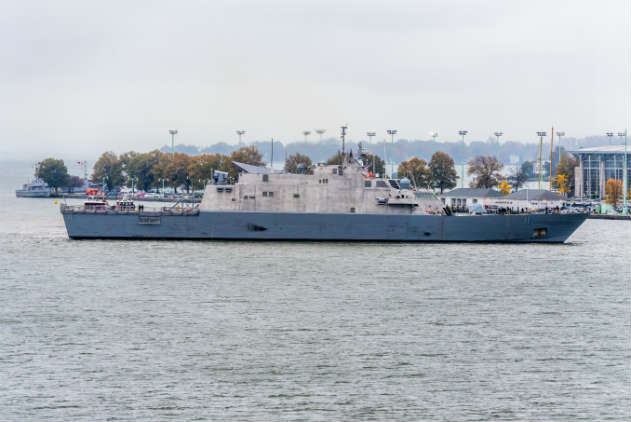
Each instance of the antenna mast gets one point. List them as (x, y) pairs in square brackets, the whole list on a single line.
[(344, 142), (551, 144)]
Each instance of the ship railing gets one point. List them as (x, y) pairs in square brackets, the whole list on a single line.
[(146, 211)]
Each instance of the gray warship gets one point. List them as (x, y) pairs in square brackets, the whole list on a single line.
[(35, 189), (334, 203)]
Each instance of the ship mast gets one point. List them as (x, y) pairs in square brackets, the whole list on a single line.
[(344, 143)]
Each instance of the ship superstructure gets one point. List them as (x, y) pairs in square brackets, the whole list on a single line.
[(331, 189)]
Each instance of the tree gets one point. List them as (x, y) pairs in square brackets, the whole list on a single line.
[(613, 192), (75, 182), (248, 155), (528, 168), (443, 171), (110, 168), (504, 187), (486, 170), (561, 183), (417, 171), (141, 168), (178, 170), (202, 167), (374, 164), (296, 161), (518, 179), (336, 160), (566, 166), (53, 172)]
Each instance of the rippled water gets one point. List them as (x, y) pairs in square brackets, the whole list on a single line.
[(96, 330)]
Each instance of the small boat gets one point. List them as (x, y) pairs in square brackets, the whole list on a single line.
[(35, 189)]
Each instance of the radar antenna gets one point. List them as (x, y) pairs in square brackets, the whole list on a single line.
[(344, 140)]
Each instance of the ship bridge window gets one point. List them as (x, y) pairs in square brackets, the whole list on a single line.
[(381, 184), (367, 183), (335, 170), (394, 184)]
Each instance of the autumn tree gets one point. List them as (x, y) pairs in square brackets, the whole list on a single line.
[(110, 168), (566, 167), (298, 161), (164, 171), (613, 192), (178, 170), (53, 172), (443, 171), (485, 169), (201, 167), (248, 155), (504, 187), (417, 171), (561, 183)]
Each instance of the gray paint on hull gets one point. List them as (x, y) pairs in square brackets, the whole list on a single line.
[(347, 227)]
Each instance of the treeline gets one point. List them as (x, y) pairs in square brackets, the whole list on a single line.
[(155, 169), (507, 151)]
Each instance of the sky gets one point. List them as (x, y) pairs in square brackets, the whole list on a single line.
[(81, 77)]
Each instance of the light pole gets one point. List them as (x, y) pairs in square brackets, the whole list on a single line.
[(462, 133), (306, 133), (344, 144), (392, 132), (370, 136), (240, 133), (625, 176), (540, 135), (320, 132), (173, 132), (434, 135), (609, 135), (560, 135), (497, 135)]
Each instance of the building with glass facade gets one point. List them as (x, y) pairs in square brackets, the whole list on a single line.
[(596, 166)]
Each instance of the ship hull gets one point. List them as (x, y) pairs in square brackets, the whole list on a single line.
[(239, 225), (32, 194)]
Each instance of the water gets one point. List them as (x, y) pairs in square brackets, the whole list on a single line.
[(110, 330)]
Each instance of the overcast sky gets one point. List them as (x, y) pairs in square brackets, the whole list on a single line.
[(85, 76)]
